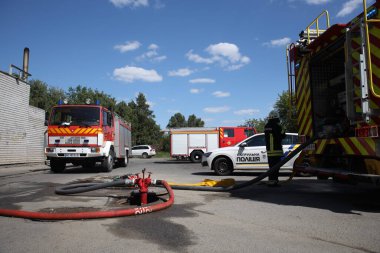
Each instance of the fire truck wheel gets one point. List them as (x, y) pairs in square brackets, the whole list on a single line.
[(107, 164), (223, 166), (123, 161), (57, 166), (196, 156)]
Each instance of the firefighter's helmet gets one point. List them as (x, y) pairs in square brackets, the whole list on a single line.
[(273, 115)]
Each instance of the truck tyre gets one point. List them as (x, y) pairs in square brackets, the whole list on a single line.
[(223, 167), (57, 166), (108, 162), (196, 156), (123, 162), (145, 155)]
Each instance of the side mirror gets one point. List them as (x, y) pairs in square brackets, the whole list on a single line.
[(243, 145)]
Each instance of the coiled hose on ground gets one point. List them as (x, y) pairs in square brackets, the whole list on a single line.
[(94, 214)]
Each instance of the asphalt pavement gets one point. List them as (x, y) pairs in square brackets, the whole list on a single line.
[(304, 215)]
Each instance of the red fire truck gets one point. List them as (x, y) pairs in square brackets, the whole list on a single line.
[(191, 143), (86, 134), (334, 83)]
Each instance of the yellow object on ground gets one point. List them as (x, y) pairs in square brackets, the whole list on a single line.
[(208, 182)]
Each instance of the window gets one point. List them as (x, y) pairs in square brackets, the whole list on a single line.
[(75, 115), (104, 118), (256, 141), (107, 119), (290, 139), (228, 132)]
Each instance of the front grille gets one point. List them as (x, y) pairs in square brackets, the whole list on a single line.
[(72, 140)]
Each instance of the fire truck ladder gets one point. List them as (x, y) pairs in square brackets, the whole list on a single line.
[(306, 37), (290, 61), (360, 70), (309, 34)]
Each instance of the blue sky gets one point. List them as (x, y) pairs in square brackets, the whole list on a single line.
[(223, 61)]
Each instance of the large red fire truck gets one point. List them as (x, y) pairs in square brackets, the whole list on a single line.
[(334, 83), (193, 142), (86, 134)]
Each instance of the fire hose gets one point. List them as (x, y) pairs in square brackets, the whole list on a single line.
[(250, 182), (77, 188)]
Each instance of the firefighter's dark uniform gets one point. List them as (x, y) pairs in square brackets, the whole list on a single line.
[(273, 138)]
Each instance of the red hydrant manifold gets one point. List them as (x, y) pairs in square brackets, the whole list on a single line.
[(142, 183)]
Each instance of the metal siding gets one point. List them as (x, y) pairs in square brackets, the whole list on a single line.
[(212, 141), (14, 107), (35, 132), (179, 143)]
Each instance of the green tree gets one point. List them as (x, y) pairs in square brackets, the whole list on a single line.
[(286, 113), (177, 120), (193, 121), (258, 124), (124, 111), (43, 96), (79, 95), (145, 129)]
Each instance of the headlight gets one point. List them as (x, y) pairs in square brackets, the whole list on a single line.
[(95, 150), (207, 154)]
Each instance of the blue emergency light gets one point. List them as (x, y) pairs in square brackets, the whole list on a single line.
[(372, 13)]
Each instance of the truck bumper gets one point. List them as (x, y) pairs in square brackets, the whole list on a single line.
[(72, 153), (204, 161)]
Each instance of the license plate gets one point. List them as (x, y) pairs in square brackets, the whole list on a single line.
[(72, 155)]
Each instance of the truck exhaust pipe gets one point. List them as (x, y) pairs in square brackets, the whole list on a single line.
[(25, 66)]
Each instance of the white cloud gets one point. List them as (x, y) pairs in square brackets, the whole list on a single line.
[(159, 58), (128, 46), (202, 80), (228, 50), (221, 94), (153, 47), (216, 109), (152, 54), (181, 72), (197, 58), (248, 112), (131, 3), (225, 54), (349, 7), (130, 74), (195, 91), (278, 43), (316, 2)]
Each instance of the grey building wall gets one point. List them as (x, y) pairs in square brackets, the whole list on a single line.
[(20, 124)]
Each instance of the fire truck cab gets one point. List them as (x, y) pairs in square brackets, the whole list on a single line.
[(86, 134)]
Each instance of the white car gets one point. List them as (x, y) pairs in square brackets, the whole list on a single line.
[(145, 151), (249, 154)]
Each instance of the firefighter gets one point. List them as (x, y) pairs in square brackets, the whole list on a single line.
[(273, 138)]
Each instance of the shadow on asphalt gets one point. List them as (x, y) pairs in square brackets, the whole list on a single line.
[(320, 194), (173, 162), (80, 170), (239, 173)]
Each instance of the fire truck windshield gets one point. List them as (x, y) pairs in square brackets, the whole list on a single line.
[(75, 116)]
